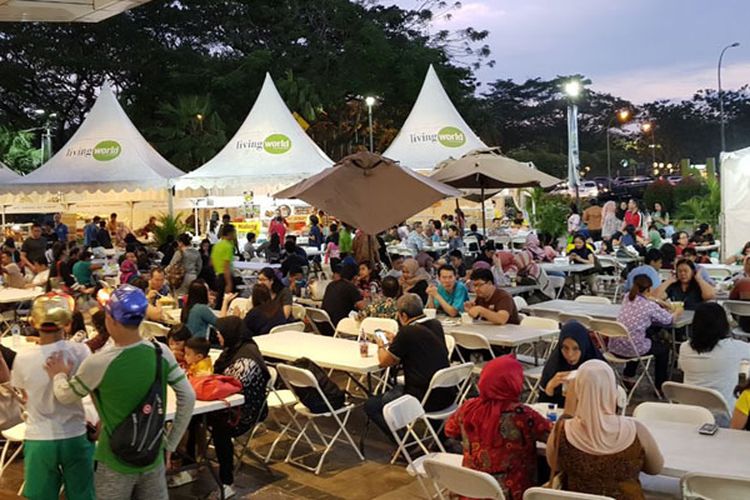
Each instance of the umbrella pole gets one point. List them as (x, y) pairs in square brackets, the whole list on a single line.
[(484, 223)]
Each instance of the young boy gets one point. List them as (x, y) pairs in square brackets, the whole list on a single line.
[(56, 448), (196, 357), (177, 340)]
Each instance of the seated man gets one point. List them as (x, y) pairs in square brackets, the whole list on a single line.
[(397, 263), (342, 296), (450, 295), (12, 275), (420, 348), (157, 286), (492, 304), (292, 259), (651, 268)]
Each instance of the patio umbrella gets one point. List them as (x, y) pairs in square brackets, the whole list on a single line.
[(369, 191), (490, 171)]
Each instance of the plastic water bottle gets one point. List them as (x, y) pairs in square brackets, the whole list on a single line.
[(15, 331), (552, 412)]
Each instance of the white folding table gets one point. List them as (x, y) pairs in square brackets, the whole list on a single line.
[(595, 310)]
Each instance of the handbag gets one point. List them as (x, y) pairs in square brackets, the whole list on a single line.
[(556, 477), (215, 387), (176, 273), (11, 407)]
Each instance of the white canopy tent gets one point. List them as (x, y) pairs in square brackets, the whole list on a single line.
[(434, 130), (735, 200), (107, 160), (269, 152), (6, 174)]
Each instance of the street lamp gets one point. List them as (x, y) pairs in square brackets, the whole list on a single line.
[(648, 127), (46, 141), (370, 101), (573, 89), (622, 116), (721, 95)]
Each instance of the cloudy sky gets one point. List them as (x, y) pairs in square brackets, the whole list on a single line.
[(640, 50)]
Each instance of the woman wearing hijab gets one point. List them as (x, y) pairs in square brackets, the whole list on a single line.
[(414, 279), (574, 347), (498, 433), (535, 248), (242, 360), (610, 222), (598, 451), (504, 267)]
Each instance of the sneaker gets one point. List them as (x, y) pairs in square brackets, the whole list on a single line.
[(228, 493), (179, 479)]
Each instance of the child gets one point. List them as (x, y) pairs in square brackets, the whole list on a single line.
[(196, 357), (177, 340), (128, 268)]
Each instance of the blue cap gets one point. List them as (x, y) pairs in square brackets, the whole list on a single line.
[(127, 305)]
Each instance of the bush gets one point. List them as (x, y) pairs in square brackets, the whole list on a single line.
[(687, 188), (551, 215), (659, 191), (703, 208)]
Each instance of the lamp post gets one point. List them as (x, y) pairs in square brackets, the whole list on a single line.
[(573, 90), (46, 140), (622, 116), (370, 101), (721, 95), (648, 127)]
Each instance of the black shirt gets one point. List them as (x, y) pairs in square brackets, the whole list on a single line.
[(420, 346), (34, 248), (293, 262), (260, 320), (583, 252), (420, 289), (691, 297), (340, 299)]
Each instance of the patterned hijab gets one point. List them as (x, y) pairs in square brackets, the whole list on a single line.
[(416, 274)]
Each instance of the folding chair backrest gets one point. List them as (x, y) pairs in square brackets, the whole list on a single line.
[(298, 312), (240, 307), (610, 329), (719, 273), (537, 493), (737, 307), (696, 485), (540, 323), (297, 326), (581, 318), (462, 480), (520, 303), (402, 411), (450, 344), (593, 299), (369, 325), (667, 412), (710, 399), (452, 376), (273, 375), (557, 282), (318, 289), (472, 244), (471, 340), (321, 321), (546, 313), (347, 326), (298, 377), (151, 329)]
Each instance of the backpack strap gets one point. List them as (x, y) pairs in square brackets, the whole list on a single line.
[(159, 368)]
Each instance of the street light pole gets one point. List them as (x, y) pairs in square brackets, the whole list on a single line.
[(573, 90), (370, 101), (622, 115), (721, 95)]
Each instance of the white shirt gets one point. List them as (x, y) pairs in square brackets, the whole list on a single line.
[(718, 369), (48, 419), (40, 279)]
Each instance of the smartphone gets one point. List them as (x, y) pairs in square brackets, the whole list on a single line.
[(380, 334), (708, 429)]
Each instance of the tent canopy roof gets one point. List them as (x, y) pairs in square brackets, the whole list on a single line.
[(434, 130), (106, 153), (269, 144)]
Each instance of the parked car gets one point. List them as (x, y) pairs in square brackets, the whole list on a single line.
[(633, 187), (674, 179), (587, 189)]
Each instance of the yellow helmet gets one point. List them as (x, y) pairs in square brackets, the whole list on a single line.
[(52, 312)]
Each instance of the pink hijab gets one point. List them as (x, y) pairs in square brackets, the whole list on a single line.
[(596, 428)]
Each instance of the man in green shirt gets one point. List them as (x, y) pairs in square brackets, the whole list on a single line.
[(222, 256), (345, 240), (118, 379)]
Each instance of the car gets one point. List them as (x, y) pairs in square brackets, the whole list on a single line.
[(586, 189), (634, 187), (674, 179)]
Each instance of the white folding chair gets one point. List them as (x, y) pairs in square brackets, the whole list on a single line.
[(583, 319), (301, 378), (455, 376), (558, 284), (530, 357), (240, 306), (151, 329), (592, 299), (472, 245), (668, 412), (15, 434), (402, 414), (450, 344), (538, 493), (321, 321), (520, 302), (472, 341), (614, 329), (297, 326), (463, 481), (298, 312), (738, 309), (710, 399), (369, 325), (719, 273), (699, 486), (348, 327)]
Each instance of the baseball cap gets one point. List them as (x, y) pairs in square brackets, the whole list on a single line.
[(127, 305), (52, 311)]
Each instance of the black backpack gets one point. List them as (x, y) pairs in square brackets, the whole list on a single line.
[(310, 397), (137, 439)]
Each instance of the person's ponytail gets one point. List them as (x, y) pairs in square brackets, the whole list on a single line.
[(641, 284)]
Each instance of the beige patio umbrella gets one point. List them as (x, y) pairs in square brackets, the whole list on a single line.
[(369, 192), (489, 171)]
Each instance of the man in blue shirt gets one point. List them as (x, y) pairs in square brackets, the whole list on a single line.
[(90, 230), (60, 229), (651, 268), (450, 295)]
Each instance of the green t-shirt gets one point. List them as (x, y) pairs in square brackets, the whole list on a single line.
[(117, 379), (222, 252), (345, 241), (82, 272)]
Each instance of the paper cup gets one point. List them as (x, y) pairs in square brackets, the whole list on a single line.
[(466, 319), (430, 313)]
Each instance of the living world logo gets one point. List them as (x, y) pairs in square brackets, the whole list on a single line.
[(275, 144), (450, 137), (103, 151)]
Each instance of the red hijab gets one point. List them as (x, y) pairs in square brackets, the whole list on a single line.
[(500, 386)]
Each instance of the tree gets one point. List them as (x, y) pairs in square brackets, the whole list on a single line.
[(18, 151)]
